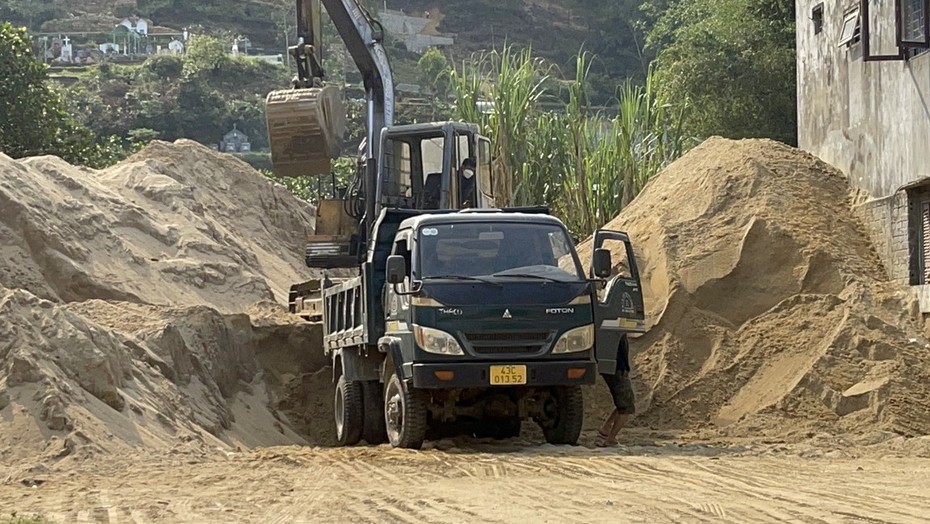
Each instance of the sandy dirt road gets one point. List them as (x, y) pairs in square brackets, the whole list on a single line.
[(479, 483)]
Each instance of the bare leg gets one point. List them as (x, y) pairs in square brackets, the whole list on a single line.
[(609, 429), (618, 421)]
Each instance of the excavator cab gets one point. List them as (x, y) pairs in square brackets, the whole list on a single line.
[(419, 167)]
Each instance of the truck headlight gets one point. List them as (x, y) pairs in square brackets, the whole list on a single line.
[(575, 340), (436, 341)]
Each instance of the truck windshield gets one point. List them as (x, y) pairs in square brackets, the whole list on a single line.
[(520, 250)]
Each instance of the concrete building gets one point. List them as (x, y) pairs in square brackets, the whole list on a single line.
[(413, 30), (864, 107)]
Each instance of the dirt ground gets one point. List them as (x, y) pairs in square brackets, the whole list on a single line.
[(486, 482)]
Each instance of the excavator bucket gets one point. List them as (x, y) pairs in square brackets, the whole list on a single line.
[(305, 130)]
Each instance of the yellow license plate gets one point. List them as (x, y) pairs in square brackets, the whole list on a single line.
[(509, 375)]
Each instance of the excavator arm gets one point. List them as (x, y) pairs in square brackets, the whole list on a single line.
[(306, 124)]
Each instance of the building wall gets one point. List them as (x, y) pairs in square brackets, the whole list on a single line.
[(886, 220), (869, 119)]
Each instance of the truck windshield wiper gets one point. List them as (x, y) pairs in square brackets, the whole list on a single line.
[(529, 275), (463, 277)]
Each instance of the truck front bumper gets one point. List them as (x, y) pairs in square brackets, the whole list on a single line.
[(478, 374)]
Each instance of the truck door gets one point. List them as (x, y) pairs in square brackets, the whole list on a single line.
[(619, 307)]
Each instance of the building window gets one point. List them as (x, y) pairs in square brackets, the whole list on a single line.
[(817, 18), (918, 205), (913, 21), (851, 28), (914, 27)]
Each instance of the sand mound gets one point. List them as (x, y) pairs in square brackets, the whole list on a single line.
[(140, 307), (176, 224), (766, 300), (100, 377)]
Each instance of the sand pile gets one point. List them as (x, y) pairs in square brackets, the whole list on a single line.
[(767, 303), (140, 306), (176, 224)]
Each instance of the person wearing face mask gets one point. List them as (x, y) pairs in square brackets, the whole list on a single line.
[(468, 196)]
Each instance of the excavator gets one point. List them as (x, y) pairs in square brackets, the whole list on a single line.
[(399, 166), (440, 312)]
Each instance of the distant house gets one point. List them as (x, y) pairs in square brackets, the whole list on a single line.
[(235, 141), (137, 24), (175, 46)]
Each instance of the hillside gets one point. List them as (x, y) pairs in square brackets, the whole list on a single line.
[(556, 30)]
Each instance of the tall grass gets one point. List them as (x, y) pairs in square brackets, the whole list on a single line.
[(585, 165)]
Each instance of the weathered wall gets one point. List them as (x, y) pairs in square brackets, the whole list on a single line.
[(885, 220), (871, 120)]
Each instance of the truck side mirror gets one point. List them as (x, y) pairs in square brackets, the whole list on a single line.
[(396, 269), (602, 263)]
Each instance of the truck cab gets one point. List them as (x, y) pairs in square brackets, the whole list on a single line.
[(488, 319)]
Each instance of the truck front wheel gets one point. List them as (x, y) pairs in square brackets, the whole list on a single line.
[(348, 409), (404, 414), (564, 415)]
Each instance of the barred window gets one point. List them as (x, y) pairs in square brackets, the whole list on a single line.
[(914, 23)]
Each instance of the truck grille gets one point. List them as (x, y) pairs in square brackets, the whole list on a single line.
[(508, 342)]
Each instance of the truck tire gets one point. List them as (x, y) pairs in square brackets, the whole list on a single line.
[(569, 416), (404, 414), (374, 431), (348, 409)]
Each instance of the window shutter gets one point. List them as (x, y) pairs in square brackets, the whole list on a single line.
[(925, 240)]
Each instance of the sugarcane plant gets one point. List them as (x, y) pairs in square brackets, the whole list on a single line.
[(585, 164)]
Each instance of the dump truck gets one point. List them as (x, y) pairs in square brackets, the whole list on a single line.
[(474, 321)]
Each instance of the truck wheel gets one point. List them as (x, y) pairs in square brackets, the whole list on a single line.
[(373, 429), (404, 414), (568, 411), (348, 408)]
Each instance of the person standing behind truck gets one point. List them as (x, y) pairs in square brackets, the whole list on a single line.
[(621, 389)]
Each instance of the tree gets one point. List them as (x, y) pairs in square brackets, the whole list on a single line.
[(33, 120), (734, 61), (433, 72), (205, 53)]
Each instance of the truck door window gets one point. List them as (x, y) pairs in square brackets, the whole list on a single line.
[(621, 264), (618, 257)]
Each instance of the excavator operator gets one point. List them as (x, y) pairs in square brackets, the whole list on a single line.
[(468, 190)]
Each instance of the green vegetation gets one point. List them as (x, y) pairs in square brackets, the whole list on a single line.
[(199, 95), (581, 131), (584, 164), (734, 61), (34, 119)]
